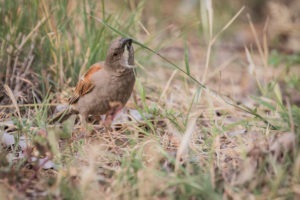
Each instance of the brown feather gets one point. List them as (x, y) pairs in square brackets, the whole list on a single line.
[(85, 84)]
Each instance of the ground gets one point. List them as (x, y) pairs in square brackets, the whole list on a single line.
[(235, 138)]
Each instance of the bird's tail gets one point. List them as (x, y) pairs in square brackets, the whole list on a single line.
[(63, 115)]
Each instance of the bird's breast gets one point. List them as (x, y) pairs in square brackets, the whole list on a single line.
[(121, 87), (115, 89)]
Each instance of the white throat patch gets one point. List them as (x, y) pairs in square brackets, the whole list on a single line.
[(125, 57)]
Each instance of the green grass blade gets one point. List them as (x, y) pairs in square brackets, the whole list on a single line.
[(186, 58), (266, 104)]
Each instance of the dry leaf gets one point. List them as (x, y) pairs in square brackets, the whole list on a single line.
[(8, 139), (247, 172), (13, 99), (284, 143)]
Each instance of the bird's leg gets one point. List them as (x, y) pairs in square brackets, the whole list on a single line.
[(83, 122), (116, 107)]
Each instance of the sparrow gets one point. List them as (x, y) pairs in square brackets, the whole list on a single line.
[(106, 87)]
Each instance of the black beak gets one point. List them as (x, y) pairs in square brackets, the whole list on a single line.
[(126, 42)]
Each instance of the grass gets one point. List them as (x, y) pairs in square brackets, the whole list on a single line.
[(217, 131)]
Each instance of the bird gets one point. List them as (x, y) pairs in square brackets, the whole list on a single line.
[(106, 87)]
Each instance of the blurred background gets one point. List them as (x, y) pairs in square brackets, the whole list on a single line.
[(195, 145)]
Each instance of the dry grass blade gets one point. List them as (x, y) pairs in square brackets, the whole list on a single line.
[(212, 41), (31, 33), (206, 62), (228, 24), (13, 99), (168, 84), (185, 141), (210, 16), (86, 59), (31, 105), (144, 28), (261, 53), (265, 43), (251, 66)]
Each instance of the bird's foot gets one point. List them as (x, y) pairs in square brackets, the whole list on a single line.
[(107, 123)]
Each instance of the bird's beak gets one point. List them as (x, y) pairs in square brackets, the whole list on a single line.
[(126, 42)]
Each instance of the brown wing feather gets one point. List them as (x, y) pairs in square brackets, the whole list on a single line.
[(85, 84)]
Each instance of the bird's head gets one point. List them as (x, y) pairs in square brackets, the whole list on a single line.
[(120, 53)]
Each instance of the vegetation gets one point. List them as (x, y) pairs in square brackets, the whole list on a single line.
[(216, 119)]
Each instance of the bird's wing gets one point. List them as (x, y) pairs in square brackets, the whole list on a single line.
[(85, 84)]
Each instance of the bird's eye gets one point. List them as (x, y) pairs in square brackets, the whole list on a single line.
[(115, 54)]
